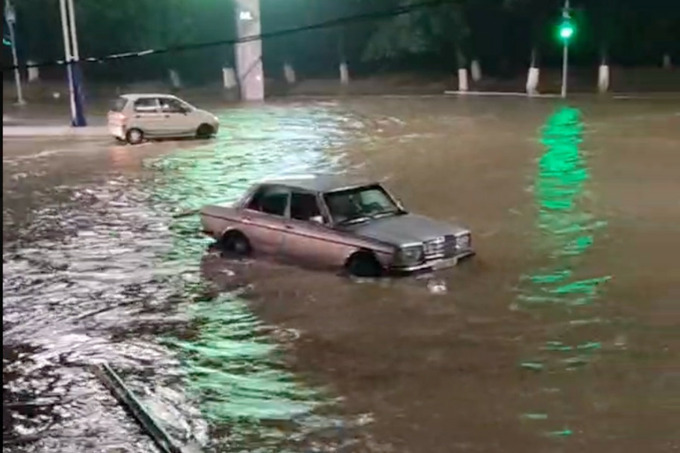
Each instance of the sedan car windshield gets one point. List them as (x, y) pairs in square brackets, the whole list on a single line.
[(360, 204)]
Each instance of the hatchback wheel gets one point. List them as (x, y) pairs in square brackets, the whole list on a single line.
[(134, 136), (205, 131)]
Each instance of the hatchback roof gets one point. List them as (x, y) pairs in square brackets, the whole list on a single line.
[(134, 96)]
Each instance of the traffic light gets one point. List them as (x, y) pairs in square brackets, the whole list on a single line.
[(566, 30)]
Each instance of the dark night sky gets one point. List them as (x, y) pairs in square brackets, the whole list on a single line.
[(634, 32)]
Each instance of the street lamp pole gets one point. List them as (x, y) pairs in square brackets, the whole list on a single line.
[(68, 26), (565, 50), (11, 17), (249, 54)]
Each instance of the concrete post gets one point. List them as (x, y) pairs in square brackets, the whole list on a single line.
[(175, 80), (249, 54), (476, 70), (289, 73), (229, 78), (667, 63), (603, 78), (344, 73), (33, 72), (533, 75), (463, 84)]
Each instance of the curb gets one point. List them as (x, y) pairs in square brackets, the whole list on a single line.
[(54, 131)]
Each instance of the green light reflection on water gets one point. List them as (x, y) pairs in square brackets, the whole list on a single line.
[(232, 369), (567, 230), (566, 233)]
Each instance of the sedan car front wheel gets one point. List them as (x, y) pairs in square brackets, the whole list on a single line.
[(364, 264)]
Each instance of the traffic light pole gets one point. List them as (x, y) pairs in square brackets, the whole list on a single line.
[(565, 52)]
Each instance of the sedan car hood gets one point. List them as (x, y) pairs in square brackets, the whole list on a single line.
[(404, 229)]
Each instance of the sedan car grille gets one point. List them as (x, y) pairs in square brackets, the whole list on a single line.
[(444, 246)]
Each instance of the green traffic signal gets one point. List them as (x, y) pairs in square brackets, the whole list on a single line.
[(566, 30)]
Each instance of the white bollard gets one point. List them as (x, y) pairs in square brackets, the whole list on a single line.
[(463, 80), (289, 73), (344, 73), (532, 81), (33, 72), (603, 78), (476, 71), (667, 63), (229, 78)]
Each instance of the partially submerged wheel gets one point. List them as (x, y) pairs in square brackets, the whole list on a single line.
[(205, 131), (364, 264), (235, 243), (134, 136)]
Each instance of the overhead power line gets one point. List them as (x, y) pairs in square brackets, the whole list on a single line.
[(184, 47)]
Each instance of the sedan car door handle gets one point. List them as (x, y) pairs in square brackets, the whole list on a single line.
[(290, 227)]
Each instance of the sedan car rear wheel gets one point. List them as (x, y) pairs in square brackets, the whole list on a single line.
[(235, 243), (364, 264)]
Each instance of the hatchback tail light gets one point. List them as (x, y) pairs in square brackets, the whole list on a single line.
[(117, 117)]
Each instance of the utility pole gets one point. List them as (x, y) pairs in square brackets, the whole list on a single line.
[(566, 31), (11, 18), (72, 57), (249, 54)]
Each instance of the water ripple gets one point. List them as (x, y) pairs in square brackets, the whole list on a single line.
[(100, 271)]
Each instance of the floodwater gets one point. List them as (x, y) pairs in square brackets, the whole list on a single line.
[(561, 335)]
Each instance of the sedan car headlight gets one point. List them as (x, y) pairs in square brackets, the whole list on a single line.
[(411, 254), (464, 241)]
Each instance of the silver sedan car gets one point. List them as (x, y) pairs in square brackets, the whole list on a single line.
[(328, 221)]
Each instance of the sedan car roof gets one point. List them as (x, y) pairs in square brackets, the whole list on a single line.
[(318, 182)]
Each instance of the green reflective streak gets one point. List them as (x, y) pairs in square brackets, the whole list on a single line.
[(566, 232), (232, 370)]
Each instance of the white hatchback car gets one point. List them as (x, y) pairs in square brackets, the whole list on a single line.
[(135, 117)]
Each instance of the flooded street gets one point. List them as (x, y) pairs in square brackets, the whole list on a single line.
[(561, 335)]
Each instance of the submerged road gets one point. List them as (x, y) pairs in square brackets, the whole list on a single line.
[(561, 335)]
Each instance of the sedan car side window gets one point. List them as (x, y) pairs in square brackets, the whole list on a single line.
[(270, 200), (304, 206), (360, 204)]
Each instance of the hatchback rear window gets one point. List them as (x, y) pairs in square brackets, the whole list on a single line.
[(118, 105), (146, 105)]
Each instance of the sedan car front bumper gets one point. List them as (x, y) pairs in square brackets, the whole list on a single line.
[(434, 264)]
